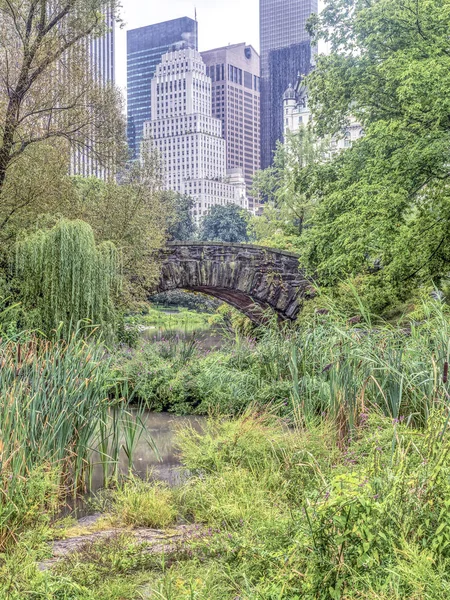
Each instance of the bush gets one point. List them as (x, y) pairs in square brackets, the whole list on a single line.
[(142, 504), (26, 502)]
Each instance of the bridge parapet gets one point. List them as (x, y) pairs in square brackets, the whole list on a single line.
[(250, 278)]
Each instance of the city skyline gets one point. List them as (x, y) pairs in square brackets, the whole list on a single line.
[(235, 75), (145, 48), (187, 136), (286, 52), (218, 25)]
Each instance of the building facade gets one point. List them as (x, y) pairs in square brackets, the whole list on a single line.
[(100, 56), (187, 136), (145, 48), (235, 75), (101, 52), (297, 114), (286, 51)]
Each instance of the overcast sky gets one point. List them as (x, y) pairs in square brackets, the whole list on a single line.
[(219, 22)]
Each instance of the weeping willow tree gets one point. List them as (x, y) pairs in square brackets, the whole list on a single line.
[(65, 277)]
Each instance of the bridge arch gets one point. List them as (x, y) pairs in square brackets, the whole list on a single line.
[(248, 277)]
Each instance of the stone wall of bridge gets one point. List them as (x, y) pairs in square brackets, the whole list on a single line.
[(250, 278)]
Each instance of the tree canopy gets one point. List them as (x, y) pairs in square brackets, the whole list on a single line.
[(48, 89), (64, 277), (225, 223), (134, 216), (384, 203), (182, 226)]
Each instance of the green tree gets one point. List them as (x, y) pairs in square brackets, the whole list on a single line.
[(65, 277), (134, 215), (225, 223), (286, 185), (48, 90), (384, 203), (182, 226), (37, 186)]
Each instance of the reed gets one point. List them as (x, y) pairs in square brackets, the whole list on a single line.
[(58, 407)]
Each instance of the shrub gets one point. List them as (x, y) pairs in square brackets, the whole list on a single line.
[(142, 504), (257, 442)]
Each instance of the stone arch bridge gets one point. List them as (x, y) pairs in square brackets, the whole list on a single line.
[(250, 278)]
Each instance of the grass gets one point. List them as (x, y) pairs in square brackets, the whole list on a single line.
[(327, 366), (140, 504), (57, 419), (328, 480), (286, 513), (168, 319)]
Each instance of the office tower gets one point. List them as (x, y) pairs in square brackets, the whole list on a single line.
[(102, 53), (188, 138), (99, 52), (234, 72), (286, 51), (145, 47)]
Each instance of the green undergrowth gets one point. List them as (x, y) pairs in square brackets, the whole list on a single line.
[(325, 366), (277, 513), (171, 318)]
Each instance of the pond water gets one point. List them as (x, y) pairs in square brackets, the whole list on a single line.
[(155, 454), (211, 337)]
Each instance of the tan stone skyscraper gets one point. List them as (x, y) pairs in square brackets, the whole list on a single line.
[(188, 137), (234, 72)]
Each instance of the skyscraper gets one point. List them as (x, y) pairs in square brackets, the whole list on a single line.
[(102, 52), (235, 75), (188, 138), (285, 52), (99, 52), (145, 47)]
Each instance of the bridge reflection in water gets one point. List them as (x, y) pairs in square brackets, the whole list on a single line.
[(250, 278)]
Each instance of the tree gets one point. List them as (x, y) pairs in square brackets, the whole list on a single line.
[(134, 215), (64, 277), (47, 90), (182, 226), (286, 186), (383, 206), (225, 223), (37, 186)]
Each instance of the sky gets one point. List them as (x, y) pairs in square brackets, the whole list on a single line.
[(220, 22)]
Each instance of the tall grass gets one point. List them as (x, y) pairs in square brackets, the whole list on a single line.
[(58, 407), (325, 367)]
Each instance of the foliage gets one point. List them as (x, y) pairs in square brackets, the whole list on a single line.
[(182, 227), (235, 321), (36, 190), (65, 278), (168, 320), (182, 299), (56, 419), (280, 513), (225, 223), (133, 215), (43, 47), (328, 365), (288, 206), (140, 504), (384, 202)]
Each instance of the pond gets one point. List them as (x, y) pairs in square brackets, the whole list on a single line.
[(155, 453), (211, 337)]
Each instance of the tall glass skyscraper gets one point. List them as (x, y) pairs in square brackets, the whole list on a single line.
[(285, 52), (145, 48)]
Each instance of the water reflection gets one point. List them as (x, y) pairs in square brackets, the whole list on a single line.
[(164, 464), (210, 338)]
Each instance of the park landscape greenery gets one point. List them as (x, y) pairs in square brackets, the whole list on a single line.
[(322, 470)]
